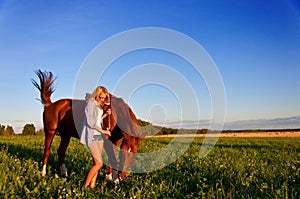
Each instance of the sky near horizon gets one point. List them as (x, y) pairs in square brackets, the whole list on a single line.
[(254, 45)]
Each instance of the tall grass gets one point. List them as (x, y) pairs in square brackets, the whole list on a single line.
[(235, 168)]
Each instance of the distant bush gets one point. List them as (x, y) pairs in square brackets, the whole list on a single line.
[(202, 131), (9, 130), (40, 132)]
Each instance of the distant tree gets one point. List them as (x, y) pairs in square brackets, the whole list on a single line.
[(9, 130), (166, 131), (2, 129), (29, 129), (202, 131), (6, 131), (143, 123)]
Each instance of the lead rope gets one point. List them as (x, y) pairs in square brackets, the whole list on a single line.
[(108, 122)]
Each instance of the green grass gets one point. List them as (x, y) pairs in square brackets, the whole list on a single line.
[(235, 168)]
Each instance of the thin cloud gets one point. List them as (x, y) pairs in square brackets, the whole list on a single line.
[(185, 124), (273, 123)]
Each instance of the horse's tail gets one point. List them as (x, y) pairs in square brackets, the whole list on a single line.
[(45, 86)]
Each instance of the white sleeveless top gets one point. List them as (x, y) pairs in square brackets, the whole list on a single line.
[(99, 120)]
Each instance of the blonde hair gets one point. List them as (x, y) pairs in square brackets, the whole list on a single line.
[(98, 91)]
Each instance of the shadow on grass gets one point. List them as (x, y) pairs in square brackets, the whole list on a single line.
[(24, 153)]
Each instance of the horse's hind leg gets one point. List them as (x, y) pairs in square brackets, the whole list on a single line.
[(49, 135), (61, 151)]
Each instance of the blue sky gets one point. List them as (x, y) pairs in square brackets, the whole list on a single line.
[(255, 46)]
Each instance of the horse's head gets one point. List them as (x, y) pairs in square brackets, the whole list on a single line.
[(108, 122), (106, 106)]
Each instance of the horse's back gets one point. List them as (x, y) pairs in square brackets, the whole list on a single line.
[(54, 113), (66, 116), (78, 114)]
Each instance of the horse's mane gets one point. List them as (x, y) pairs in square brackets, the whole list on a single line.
[(125, 117), (118, 101)]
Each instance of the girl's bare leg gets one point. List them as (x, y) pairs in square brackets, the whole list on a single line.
[(96, 151), (93, 181)]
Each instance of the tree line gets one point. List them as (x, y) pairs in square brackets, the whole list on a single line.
[(148, 128), (28, 129)]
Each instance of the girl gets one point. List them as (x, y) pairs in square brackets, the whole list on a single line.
[(92, 132)]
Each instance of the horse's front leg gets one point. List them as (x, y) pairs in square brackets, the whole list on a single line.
[(110, 148), (49, 135), (127, 155), (61, 151)]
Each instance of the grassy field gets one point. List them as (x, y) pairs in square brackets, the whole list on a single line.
[(235, 168)]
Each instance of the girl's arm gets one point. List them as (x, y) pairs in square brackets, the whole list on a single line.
[(106, 132), (91, 114), (108, 112)]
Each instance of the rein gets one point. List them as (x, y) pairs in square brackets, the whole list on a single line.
[(108, 122)]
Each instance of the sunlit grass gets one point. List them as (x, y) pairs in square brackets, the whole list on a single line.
[(235, 168)]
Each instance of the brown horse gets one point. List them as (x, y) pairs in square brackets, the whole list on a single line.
[(65, 117)]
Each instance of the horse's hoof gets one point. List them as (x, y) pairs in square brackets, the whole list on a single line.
[(121, 179), (109, 177), (63, 171), (116, 181), (44, 171)]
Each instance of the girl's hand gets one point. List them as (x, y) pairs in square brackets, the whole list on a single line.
[(108, 111), (106, 132)]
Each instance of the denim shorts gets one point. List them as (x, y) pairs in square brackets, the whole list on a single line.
[(97, 138)]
